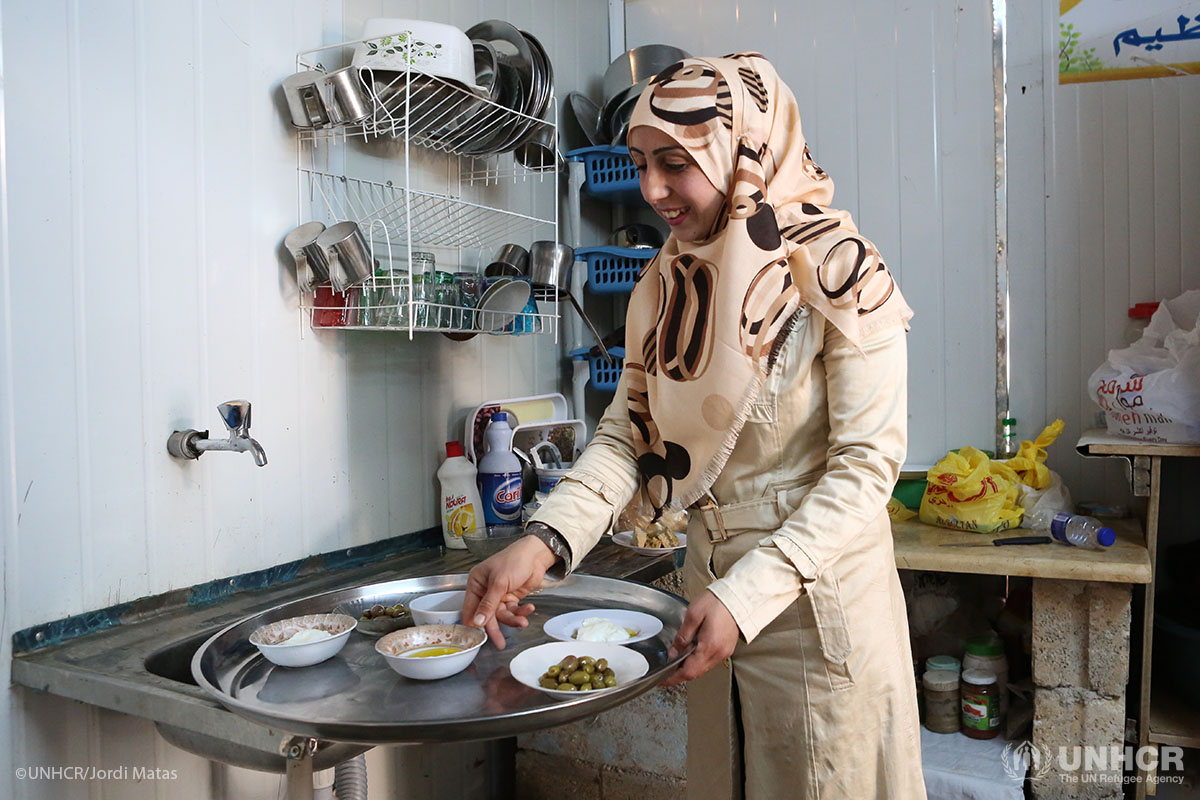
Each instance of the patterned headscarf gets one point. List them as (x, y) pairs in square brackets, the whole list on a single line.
[(706, 319)]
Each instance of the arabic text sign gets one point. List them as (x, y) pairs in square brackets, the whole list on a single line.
[(1106, 40)]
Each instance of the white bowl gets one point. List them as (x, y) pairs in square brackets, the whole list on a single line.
[(440, 608), (394, 646), (641, 626), (529, 665), (400, 45), (271, 640)]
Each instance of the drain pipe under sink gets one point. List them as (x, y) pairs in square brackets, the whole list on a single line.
[(350, 779)]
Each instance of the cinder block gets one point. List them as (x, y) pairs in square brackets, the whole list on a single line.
[(624, 784), (1081, 635), (545, 777), (1066, 721)]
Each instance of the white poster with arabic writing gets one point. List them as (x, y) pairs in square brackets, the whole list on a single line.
[(1112, 40)]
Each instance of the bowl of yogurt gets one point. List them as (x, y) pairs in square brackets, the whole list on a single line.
[(303, 641)]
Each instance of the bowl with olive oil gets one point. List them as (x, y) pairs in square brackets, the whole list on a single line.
[(431, 652)]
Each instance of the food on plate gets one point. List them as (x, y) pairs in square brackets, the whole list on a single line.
[(307, 636), (376, 611), (598, 629), (431, 652), (651, 532), (583, 674), (654, 534)]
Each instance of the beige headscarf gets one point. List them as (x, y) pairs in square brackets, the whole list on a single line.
[(706, 319)]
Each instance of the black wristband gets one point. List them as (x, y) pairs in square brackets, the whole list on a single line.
[(558, 546)]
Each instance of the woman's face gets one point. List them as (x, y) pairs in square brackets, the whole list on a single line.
[(673, 184)]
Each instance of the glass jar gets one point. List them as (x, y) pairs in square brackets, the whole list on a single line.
[(470, 289), (980, 704), (942, 707), (943, 662), (987, 653)]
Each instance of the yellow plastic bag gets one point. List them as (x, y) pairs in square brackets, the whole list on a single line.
[(968, 491), (897, 512), (1030, 461)]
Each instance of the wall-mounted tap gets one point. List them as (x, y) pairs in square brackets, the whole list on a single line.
[(236, 416)]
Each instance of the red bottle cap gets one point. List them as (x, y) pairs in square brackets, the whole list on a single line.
[(453, 449)]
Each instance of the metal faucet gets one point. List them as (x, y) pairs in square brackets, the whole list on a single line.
[(236, 416)]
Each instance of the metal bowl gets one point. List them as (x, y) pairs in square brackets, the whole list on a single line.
[(550, 265), (639, 64)]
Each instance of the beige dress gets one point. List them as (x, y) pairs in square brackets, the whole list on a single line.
[(818, 700)]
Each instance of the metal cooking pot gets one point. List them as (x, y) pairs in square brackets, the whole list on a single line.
[(639, 64)]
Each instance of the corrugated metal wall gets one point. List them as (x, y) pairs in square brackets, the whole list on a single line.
[(151, 177), (1102, 178)]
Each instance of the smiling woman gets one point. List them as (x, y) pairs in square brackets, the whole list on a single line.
[(674, 184)]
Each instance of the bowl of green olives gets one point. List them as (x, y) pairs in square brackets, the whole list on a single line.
[(567, 669), (378, 619)]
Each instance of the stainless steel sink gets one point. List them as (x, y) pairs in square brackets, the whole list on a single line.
[(174, 662)]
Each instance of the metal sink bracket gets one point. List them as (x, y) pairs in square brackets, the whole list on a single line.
[(236, 416)]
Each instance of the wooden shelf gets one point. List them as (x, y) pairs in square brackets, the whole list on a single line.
[(919, 546), (1099, 442), (1172, 720)]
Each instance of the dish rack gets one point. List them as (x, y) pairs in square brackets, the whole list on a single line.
[(416, 191)]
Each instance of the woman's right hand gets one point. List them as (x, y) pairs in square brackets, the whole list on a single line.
[(496, 587)]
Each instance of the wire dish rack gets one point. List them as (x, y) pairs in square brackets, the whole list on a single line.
[(435, 166)]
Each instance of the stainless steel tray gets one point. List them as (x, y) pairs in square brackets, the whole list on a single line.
[(356, 697)]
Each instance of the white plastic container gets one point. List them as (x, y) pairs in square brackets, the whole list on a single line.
[(500, 474), (461, 506)]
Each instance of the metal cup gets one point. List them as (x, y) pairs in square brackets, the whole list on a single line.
[(305, 102), (346, 89), (350, 261), (312, 267), (550, 266)]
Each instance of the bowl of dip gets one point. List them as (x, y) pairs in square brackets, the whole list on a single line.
[(431, 652), (303, 641)]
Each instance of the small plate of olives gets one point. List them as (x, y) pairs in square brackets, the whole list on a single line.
[(378, 619), (576, 668)]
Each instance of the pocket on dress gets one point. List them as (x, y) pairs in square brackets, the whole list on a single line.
[(832, 629)]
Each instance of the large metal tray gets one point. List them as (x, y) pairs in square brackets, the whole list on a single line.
[(356, 697)]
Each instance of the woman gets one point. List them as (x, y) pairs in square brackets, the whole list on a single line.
[(763, 389)]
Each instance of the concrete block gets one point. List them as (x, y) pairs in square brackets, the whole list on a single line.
[(623, 784), (1081, 635), (1066, 723), (545, 777)]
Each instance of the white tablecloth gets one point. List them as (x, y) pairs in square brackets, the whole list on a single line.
[(960, 768)]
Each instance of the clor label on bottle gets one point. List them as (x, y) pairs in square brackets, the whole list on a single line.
[(501, 492)]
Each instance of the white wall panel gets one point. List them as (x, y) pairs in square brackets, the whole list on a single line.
[(896, 100), (153, 176)]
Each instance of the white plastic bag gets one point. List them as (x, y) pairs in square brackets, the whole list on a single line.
[(1042, 504), (1151, 389)]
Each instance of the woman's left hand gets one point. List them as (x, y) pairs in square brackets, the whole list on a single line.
[(713, 628)]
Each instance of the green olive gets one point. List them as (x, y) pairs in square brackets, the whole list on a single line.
[(553, 670), (590, 669), (579, 677), (587, 687), (608, 673), (610, 680), (548, 683), (568, 664), (601, 664), (597, 681), (568, 687), (586, 661)]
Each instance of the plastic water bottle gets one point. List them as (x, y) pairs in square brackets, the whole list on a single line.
[(500, 474), (461, 505), (1081, 531)]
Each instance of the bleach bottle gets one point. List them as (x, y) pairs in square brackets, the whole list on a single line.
[(500, 474)]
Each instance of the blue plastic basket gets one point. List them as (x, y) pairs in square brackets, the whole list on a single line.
[(610, 173), (613, 270), (604, 376)]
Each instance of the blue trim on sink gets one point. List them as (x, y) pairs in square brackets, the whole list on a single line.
[(203, 594)]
